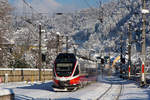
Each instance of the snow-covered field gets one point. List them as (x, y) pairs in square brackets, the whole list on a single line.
[(107, 88)]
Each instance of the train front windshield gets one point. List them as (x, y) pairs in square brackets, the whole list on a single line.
[(65, 63), (64, 69)]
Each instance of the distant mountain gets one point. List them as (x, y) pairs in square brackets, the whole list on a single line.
[(90, 33), (84, 28)]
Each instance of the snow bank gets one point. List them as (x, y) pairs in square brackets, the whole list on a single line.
[(4, 92)]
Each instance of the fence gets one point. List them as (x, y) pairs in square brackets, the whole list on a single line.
[(24, 74)]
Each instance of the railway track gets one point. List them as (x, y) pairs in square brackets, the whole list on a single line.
[(120, 92), (109, 88), (109, 92)]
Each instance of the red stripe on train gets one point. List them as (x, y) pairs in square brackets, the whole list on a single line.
[(75, 81)]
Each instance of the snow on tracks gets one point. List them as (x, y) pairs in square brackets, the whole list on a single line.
[(114, 90), (120, 89)]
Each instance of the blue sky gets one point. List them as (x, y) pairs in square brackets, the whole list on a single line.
[(57, 5), (80, 2)]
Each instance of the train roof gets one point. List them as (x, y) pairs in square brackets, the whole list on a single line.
[(85, 58), (67, 56)]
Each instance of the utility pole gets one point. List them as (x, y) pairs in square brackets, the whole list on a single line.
[(75, 50), (57, 44), (129, 50), (66, 44), (40, 62), (100, 16), (121, 51), (1, 50), (144, 12), (121, 47)]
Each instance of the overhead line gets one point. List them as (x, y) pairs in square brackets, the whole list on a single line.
[(88, 4), (30, 6)]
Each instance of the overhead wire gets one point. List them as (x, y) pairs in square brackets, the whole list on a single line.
[(98, 3), (88, 4), (100, 11), (34, 10), (29, 6)]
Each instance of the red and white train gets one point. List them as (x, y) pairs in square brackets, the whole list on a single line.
[(71, 72)]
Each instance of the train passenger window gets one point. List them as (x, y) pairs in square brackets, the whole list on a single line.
[(76, 71)]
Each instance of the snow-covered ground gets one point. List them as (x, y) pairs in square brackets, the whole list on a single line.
[(107, 88)]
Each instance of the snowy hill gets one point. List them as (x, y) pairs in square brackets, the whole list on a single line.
[(84, 28)]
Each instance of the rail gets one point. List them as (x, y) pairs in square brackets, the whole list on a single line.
[(121, 86), (109, 88), (120, 92)]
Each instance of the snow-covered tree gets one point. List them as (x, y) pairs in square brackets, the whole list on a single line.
[(4, 25), (84, 28)]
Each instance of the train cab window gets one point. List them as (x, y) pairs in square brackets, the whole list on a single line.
[(76, 71), (66, 57)]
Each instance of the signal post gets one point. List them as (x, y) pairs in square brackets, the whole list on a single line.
[(144, 12)]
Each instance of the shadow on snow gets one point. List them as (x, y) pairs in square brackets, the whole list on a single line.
[(42, 86)]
